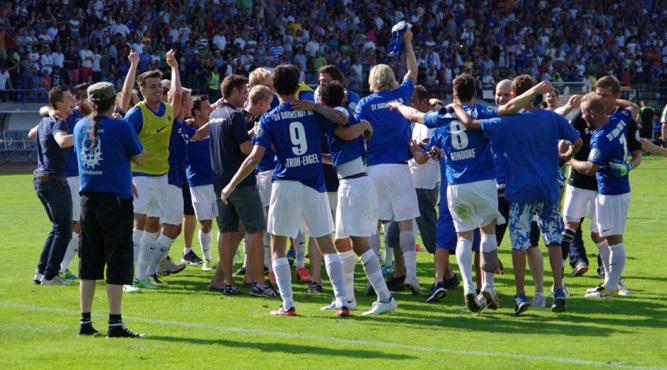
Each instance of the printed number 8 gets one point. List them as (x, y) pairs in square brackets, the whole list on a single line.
[(297, 136), (458, 135)]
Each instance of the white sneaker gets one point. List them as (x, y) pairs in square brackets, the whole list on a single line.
[(38, 278), (492, 300), (207, 265), (380, 307), (539, 301), (131, 289), (57, 280), (622, 289), (413, 285), (351, 305)]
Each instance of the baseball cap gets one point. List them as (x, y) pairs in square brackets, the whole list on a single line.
[(101, 91)]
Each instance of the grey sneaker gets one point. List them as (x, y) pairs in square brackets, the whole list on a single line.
[(265, 290), (579, 269), (168, 267), (57, 280), (37, 279), (539, 301)]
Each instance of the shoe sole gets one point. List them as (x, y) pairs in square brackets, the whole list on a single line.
[(579, 271), (491, 302), (343, 313), (521, 309), (282, 313), (471, 304), (558, 306), (437, 296)]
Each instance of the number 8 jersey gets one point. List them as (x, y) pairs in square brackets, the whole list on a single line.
[(295, 135), (468, 152)]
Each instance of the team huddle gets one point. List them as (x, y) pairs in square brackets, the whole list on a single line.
[(254, 161)]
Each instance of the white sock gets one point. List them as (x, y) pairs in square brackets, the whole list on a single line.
[(388, 256), (206, 240), (267, 257), (488, 244), (616, 266), (284, 281), (162, 247), (603, 251), (348, 273), (373, 271), (245, 252), (464, 259), (187, 250), (146, 247), (136, 243), (334, 268), (72, 248), (300, 249), (407, 242)]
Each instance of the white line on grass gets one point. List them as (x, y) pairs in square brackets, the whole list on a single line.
[(405, 347)]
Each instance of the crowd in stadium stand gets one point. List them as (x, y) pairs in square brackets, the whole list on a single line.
[(47, 43)]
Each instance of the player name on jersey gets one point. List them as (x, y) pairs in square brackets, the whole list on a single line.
[(301, 161), (292, 114), (383, 105), (617, 131), (463, 154)]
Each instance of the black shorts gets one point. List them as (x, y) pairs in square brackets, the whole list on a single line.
[(106, 238), (188, 209)]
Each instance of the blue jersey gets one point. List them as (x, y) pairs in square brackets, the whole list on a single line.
[(531, 143), (71, 164), (105, 166), (177, 154), (609, 143), (198, 167), (391, 131), (352, 100), (343, 151), (296, 138), (437, 140), (468, 152), (51, 157)]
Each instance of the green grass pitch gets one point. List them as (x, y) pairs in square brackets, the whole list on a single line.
[(191, 327)]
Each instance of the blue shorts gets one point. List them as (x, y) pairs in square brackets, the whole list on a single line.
[(549, 221), (446, 235)]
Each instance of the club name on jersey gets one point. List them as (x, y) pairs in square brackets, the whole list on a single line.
[(292, 114), (463, 154), (616, 131), (383, 105), (301, 161)]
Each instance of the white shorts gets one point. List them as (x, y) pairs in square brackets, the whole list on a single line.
[(397, 197), (296, 206), (333, 202), (73, 183), (473, 205), (151, 195), (357, 213), (612, 212), (264, 186), (173, 210), (204, 202), (579, 203)]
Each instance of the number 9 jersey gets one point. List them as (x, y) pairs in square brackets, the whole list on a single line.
[(295, 135)]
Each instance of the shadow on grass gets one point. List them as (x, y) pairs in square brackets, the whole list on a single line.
[(292, 349)]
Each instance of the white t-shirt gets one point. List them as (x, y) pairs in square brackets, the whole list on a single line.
[(86, 57), (427, 175)]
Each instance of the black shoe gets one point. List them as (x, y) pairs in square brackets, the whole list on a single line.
[(120, 331), (471, 303), (452, 282), (315, 288), (438, 292), (191, 258), (87, 329), (240, 272), (265, 290), (396, 284), (231, 290)]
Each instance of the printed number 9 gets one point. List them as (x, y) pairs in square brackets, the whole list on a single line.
[(458, 135), (297, 135)]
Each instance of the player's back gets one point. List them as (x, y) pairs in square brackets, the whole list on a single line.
[(295, 135)]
